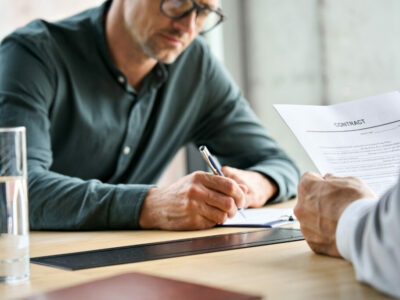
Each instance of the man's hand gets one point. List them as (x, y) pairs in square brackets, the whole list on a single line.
[(321, 202), (197, 201), (259, 189)]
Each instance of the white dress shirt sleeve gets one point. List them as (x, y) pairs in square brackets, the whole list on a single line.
[(368, 235)]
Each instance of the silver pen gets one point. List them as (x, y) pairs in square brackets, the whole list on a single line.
[(210, 160)]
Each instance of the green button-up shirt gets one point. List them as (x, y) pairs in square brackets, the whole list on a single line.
[(95, 145)]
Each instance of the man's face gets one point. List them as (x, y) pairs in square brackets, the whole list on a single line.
[(158, 36)]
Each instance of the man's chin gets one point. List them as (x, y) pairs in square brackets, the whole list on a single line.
[(163, 53), (168, 58)]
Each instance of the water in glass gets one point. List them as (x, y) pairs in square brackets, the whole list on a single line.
[(14, 233)]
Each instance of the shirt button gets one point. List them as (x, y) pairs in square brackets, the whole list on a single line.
[(121, 79), (127, 150)]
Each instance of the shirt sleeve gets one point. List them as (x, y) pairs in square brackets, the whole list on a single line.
[(232, 131), (28, 84), (368, 235)]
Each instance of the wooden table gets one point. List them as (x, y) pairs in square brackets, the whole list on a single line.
[(281, 271)]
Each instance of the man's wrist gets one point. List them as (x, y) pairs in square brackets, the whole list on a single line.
[(272, 188), (145, 218)]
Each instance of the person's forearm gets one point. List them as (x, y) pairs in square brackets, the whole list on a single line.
[(58, 202), (368, 235)]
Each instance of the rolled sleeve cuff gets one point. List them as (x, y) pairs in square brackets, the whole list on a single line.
[(347, 225), (125, 212)]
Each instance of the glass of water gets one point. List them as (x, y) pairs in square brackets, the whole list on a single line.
[(14, 223)]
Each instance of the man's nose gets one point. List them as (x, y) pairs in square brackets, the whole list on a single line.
[(188, 23)]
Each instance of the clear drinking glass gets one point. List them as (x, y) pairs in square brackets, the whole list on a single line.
[(14, 223)]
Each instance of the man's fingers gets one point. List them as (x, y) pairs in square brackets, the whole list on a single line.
[(328, 175), (234, 174), (310, 176), (231, 173), (326, 249), (213, 214), (244, 188), (207, 223), (307, 183), (198, 222), (220, 201), (222, 185), (307, 180)]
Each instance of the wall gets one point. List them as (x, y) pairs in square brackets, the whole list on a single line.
[(310, 52), (17, 13)]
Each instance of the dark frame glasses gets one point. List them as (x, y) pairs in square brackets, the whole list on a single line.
[(220, 17)]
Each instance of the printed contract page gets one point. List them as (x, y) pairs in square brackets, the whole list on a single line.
[(358, 138)]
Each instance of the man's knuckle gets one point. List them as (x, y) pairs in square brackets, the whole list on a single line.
[(230, 187), (193, 192), (300, 189), (314, 247), (198, 175), (190, 205), (230, 204), (298, 212), (221, 218)]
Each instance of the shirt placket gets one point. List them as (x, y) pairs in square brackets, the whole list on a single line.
[(139, 115)]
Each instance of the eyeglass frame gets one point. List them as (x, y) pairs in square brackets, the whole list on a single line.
[(198, 7)]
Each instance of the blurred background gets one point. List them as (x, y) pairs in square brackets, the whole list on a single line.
[(316, 52)]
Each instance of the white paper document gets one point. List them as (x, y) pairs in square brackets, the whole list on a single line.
[(262, 217), (358, 138)]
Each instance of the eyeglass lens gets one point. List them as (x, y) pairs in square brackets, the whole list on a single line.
[(205, 20)]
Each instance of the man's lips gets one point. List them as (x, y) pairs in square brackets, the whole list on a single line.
[(172, 40)]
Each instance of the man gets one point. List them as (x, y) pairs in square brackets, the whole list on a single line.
[(109, 96), (342, 217)]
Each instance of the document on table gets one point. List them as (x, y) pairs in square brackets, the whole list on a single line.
[(262, 217), (358, 138)]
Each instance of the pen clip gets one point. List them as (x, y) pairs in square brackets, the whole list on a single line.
[(209, 160)]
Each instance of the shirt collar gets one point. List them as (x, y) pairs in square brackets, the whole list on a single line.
[(157, 76)]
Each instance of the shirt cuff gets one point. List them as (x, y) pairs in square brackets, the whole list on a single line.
[(347, 225)]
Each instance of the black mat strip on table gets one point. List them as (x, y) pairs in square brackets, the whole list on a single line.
[(168, 249)]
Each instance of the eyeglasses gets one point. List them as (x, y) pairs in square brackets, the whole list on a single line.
[(207, 18)]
